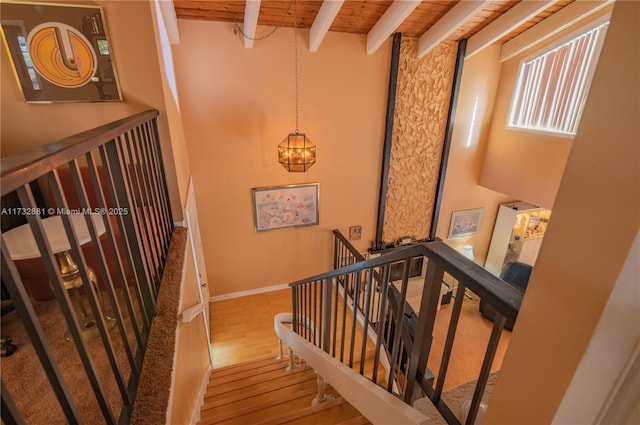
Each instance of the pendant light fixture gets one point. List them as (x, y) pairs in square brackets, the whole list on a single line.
[(296, 153)]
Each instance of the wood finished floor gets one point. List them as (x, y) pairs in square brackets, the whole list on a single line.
[(242, 330)]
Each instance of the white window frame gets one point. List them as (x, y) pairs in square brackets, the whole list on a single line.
[(540, 114)]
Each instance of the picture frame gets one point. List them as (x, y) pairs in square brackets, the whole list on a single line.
[(59, 52), (465, 223), (355, 233), (278, 207)]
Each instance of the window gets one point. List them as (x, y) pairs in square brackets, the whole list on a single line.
[(552, 86)]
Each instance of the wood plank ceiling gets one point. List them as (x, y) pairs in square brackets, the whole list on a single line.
[(432, 21)]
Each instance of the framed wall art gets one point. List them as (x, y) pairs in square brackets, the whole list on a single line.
[(59, 52), (278, 207), (355, 233), (465, 223)]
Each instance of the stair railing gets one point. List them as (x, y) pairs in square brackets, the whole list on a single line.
[(367, 292), (107, 184)]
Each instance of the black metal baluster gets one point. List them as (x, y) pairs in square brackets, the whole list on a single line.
[(367, 300), (116, 166), (354, 319), (305, 316), (381, 308), (399, 320), (448, 346), (309, 314), (24, 308), (492, 346), (336, 251), (26, 199), (159, 163), (345, 296), (424, 328), (145, 228), (335, 314), (320, 322), (326, 337), (113, 245), (145, 195), (147, 198), (294, 313), (137, 212), (90, 291), (9, 411), (126, 243), (154, 182)]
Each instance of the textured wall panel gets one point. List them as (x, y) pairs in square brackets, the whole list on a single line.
[(422, 102)]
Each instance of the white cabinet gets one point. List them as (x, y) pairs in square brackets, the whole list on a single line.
[(517, 235)]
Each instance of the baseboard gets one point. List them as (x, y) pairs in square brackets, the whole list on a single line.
[(249, 292)]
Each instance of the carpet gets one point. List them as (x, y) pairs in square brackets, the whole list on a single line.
[(32, 393), (455, 398)]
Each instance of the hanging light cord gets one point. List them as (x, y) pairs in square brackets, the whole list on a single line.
[(295, 48), (237, 29)]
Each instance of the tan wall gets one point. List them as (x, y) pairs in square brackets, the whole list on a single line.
[(130, 29), (238, 104), (172, 105), (462, 190), (421, 112), (525, 165), (595, 219)]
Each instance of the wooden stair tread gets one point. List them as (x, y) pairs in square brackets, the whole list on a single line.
[(234, 368), (328, 416), (296, 402), (246, 373), (261, 391), (358, 420), (227, 398), (256, 381), (303, 413), (220, 415)]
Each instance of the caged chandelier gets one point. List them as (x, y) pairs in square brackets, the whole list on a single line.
[(296, 153)]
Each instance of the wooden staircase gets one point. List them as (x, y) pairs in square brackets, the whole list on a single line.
[(262, 392)]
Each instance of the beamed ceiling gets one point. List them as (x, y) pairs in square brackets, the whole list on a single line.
[(480, 22)]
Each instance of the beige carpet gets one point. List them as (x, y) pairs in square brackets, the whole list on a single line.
[(27, 383), (155, 381), (455, 398)]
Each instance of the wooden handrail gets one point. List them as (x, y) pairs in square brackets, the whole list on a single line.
[(505, 298), (20, 168)]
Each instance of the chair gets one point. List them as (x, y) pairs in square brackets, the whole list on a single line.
[(515, 274)]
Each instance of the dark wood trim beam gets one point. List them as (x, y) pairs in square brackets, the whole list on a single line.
[(455, 91), (388, 132)]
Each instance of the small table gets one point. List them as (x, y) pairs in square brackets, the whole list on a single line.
[(22, 246)]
